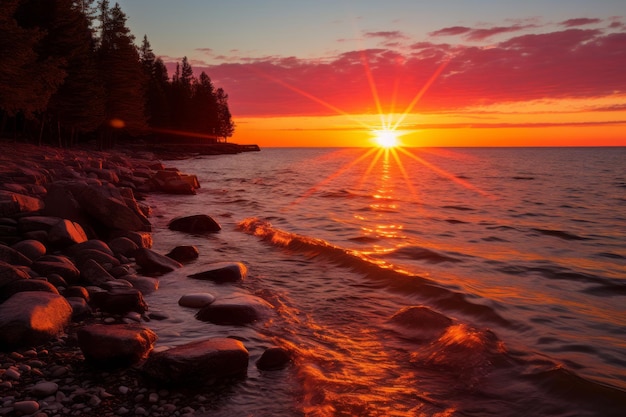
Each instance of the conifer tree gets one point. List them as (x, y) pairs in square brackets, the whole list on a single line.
[(121, 71), (226, 126)]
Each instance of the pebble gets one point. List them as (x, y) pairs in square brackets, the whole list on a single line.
[(123, 410), (153, 397), (26, 407), (123, 389), (12, 373), (44, 389)]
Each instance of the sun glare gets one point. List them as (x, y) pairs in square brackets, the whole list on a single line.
[(386, 138)]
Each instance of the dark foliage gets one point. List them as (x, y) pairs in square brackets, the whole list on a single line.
[(70, 71)]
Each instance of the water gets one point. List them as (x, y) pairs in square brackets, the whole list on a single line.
[(517, 255)]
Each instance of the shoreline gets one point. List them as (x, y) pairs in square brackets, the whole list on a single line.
[(28, 176)]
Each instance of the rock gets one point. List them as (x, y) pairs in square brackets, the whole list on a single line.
[(419, 322), (273, 358), (94, 244), (33, 223), (146, 285), (196, 300), (152, 262), (237, 310), (202, 361), (80, 308), (60, 202), (173, 182), (222, 272), (15, 203), (197, 224), (183, 254), (123, 246), (66, 233), (104, 259), (13, 257), (9, 273), (44, 389), (108, 206), (32, 317), (56, 264), (26, 285), (93, 274), (77, 291), (26, 407), (30, 248), (120, 300), (115, 345), (141, 239)]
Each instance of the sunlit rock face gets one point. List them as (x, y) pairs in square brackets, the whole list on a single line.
[(223, 272), (32, 317), (202, 361)]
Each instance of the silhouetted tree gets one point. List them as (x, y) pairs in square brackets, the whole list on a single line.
[(121, 71), (27, 80), (204, 106), (157, 107), (225, 125)]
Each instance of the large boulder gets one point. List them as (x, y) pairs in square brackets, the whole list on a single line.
[(273, 358), (26, 285), (173, 182), (92, 273), (32, 317), (202, 361), (236, 310), (222, 272), (15, 203), (115, 345), (196, 224), (66, 233), (153, 262), (9, 273), (196, 300)]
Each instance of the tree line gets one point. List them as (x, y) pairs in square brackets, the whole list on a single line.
[(70, 71)]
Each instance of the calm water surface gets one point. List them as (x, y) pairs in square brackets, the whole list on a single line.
[(520, 253)]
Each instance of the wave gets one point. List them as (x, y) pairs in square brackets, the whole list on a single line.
[(560, 234), (393, 277), (420, 253)]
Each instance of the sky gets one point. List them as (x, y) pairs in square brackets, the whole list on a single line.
[(437, 73)]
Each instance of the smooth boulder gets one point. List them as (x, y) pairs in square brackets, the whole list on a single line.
[(222, 272), (196, 224), (119, 300), (153, 262), (33, 317), (274, 358), (237, 310), (202, 361), (116, 344), (182, 254), (196, 300)]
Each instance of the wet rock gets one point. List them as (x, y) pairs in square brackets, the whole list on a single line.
[(152, 262), (237, 310), (222, 272), (115, 345), (184, 254), (80, 308), (141, 239), (146, 285), (32, 317), (30, 248), (13, 257), (120, 300), (196, 300), (173, 182), (273, 358), (93, 274), (419, 322), (197, 224), (198, 362), (104, 259), (93, 244)]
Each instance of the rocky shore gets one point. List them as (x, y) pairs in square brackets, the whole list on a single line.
[(75, 261)]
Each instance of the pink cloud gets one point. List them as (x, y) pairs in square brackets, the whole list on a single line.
[(572, 63), (581, 21), (389, 35), (451, 31)]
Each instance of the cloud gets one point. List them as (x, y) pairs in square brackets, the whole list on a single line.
[(581, 21), (207, 51), (389, 35), (561, 64), (479, 34)]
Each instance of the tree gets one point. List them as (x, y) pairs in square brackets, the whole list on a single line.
[(157, 107), (27, 80), (121, 71), (225, 126)]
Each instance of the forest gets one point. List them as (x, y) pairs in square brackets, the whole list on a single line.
[(71, 72)]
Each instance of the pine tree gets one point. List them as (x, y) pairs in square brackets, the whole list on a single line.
[(204, 106), (226, 126), (121, 71)]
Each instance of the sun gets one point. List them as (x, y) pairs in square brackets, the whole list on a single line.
[(386, 138)]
